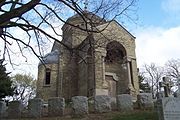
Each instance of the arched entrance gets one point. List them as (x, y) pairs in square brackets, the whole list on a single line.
[(113, 67)]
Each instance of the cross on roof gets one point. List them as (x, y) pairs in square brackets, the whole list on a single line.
[(85, 4)]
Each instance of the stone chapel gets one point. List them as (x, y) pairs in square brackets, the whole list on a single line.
[(100, 60)]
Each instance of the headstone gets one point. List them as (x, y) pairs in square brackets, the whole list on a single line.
[(169, 108), (35, 107), (113, 103), (178, 91), (145, 101), (160, 94), (14, 109), (79, 105), (56, 106), (166, 84), (2, 109), (102, 103), (124, 102)]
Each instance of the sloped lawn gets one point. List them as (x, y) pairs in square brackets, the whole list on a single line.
[(137, 115)]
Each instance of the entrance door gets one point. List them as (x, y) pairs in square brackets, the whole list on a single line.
[(111, 85)]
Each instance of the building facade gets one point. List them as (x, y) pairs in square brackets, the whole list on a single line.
[(95, 57)]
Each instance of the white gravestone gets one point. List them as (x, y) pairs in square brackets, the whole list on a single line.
[(178, 83), (169, 109)]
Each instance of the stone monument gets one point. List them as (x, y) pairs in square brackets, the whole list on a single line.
[(169, 108), (166, 84)]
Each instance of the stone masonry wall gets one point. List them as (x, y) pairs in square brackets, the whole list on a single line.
[(47, 91), (68, 74), (114, 32)]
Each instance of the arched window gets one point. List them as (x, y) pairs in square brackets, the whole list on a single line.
[(48, 76), (115, 52)]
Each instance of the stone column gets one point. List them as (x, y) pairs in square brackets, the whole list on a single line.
[(100, 54), (103, 55), (129, 74), (60, 77), (130, 88)]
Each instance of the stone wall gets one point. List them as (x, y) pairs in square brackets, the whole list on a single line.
[(56, 107), (115, 32), (85, 69), (47, 91), (68, 74)]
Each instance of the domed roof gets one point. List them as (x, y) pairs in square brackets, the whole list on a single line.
[(89, 16), (86, 14), (50, 58)]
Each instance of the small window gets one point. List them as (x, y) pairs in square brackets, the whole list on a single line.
[(48, 77), (131, 71)]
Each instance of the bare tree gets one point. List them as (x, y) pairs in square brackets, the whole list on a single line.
[(153, 75), (25, 87), (143, 83), (173, 68), (33, 17)]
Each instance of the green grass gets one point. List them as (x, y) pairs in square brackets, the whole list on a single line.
[(138, 115)]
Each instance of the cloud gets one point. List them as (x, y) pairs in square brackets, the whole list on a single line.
[(157, 45), (171, 6), (29, 65)]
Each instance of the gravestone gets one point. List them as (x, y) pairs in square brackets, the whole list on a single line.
[(124, 102), (166, 84), (2, 109), (145, 101), (35, 107), (178, 91), (113, 103), (169, 108), (56, 106), (102, 103), (14, 109), (79, 105)]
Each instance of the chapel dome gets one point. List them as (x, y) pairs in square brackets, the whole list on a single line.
[(86, 14), (77, 19), (50, 58)]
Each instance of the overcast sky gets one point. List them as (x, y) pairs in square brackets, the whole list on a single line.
[(157, 35)]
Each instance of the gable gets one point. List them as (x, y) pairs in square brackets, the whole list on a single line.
[(125, 30), (114, 25), (56, 46)]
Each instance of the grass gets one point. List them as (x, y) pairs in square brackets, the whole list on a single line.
[(137, 115), (114, 115)]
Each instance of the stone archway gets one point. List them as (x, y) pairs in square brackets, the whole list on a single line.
[(115, 52), (113, 64)]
